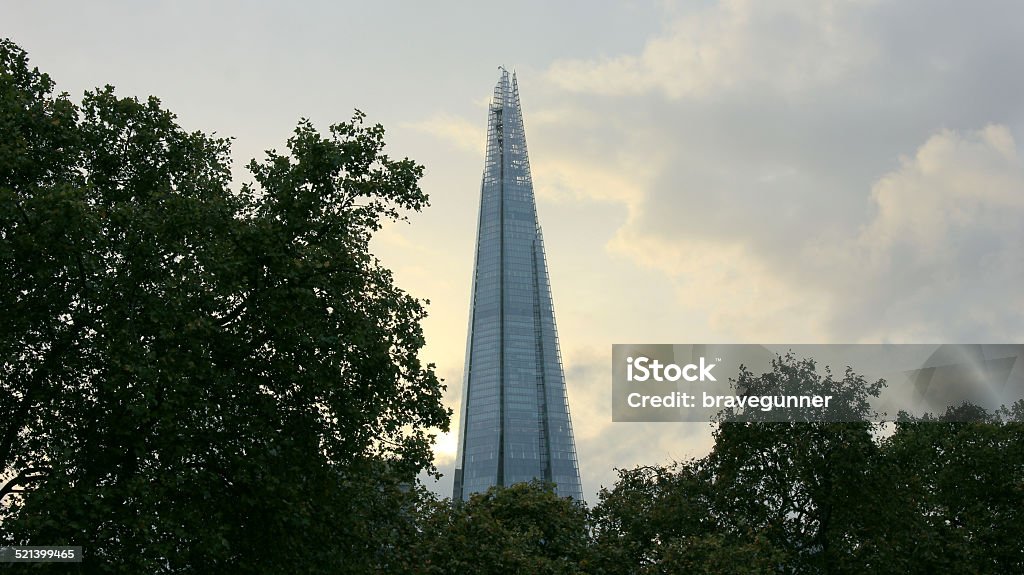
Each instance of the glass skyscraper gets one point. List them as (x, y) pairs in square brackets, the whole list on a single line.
[(515, 415)]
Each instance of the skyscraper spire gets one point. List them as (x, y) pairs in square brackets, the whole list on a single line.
[(515, 414)]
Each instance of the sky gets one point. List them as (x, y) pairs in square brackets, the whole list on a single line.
[(706, 172)]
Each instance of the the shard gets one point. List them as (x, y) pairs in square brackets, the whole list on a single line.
[(515, 414)]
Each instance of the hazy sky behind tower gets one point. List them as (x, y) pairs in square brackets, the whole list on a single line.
[(731, 172)]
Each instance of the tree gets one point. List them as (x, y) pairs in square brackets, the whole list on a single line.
[(793, 494), (212, 380), (936, 494), (524, 528), (961, 483), (809, 487), (659, 519)]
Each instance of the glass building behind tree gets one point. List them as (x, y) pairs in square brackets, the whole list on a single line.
[(515, 414)]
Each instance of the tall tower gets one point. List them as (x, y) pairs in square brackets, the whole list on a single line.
[(515, 415)]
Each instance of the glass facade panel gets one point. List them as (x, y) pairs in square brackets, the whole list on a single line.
[(515, 419)]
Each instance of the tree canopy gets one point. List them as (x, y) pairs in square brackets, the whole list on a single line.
[(938, 494), (201, 377)]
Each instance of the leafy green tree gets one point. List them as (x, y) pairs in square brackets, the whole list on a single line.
[(524, 528), (812, 488), (803, 496), (718, 554), (937, 494), (668, 520), (808, 487), (961, 486), (647, 507), (208, 380)]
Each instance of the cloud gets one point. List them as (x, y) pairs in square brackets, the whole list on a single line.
[(941, 257), (816, 171), (733, 45), (565, 180), (953, 184), (740, 293), (938, 259), (460, 132)]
